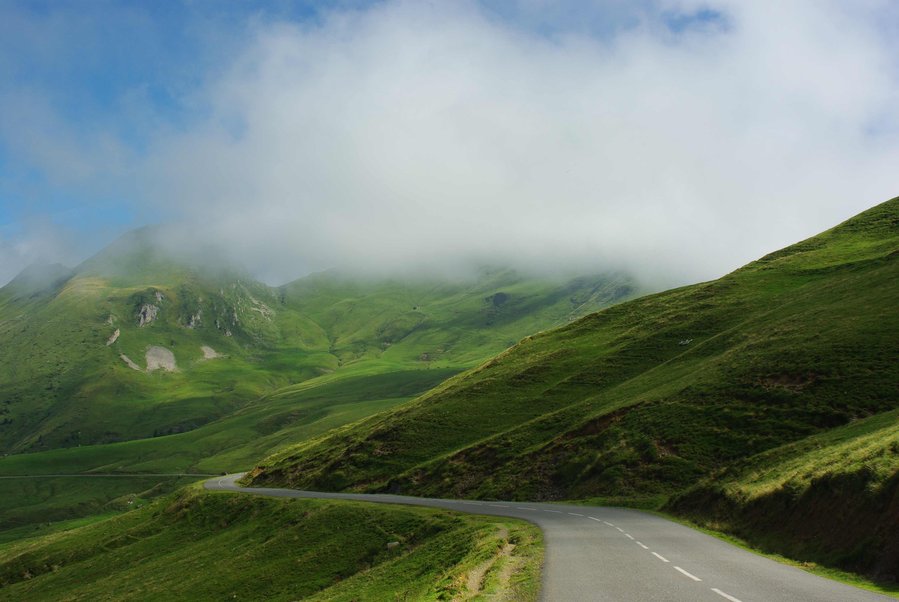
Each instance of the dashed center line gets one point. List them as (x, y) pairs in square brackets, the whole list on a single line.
[(499, 505), (620, 529), (642, 546), (660, 557), (629, 536), (554, 511), (608, 523), (575, 514), (688, 574), (594, 518), (723, 595), (522, 508)]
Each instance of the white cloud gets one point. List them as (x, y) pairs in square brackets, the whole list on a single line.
[(36, 242), (436, 134)]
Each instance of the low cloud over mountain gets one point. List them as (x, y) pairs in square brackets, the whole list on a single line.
[(674, 139)]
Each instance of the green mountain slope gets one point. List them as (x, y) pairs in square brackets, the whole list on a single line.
[(647, 397), (134, 344), (785, 500), (213, 546), (116, 351), (256, 368)]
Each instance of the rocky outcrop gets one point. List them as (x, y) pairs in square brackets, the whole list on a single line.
[(113, 337), (147, 314), (196, 319)]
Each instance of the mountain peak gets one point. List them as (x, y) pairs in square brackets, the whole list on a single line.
[(38, 278)]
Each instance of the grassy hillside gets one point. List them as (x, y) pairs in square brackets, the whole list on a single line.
[(65, 350), (255, 368), (213, 546), (645, 398), (785, 500), (237, 440), (133, 344)]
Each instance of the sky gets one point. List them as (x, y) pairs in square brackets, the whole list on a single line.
[(675, 139)]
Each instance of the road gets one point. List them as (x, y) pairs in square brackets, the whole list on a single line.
[(617, 554), (115, 475)]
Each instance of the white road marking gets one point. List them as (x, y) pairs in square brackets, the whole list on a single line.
[(723, 595), (522, 508), (594, 518), (660, 557), (629, 536), (642, 546), (620, 529), (499, 505), (575, 514), (554, 511), (608, 523), (690, 575)]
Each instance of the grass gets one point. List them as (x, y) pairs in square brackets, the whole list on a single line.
[(784, 501), (27, 503), (230, 444), (41, 529), (849, 578), (646, 398), (276, 550)]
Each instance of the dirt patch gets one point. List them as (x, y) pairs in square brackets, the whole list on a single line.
[(131, 364), (160, 358), (209, 353), (503, 565), (790, 382)]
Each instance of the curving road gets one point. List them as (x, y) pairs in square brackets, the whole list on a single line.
[(616, 554)]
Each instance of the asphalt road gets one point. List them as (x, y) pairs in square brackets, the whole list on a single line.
[(617, 554)]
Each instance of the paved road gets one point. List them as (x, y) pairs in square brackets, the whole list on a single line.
[(618, 555), (115, 475)]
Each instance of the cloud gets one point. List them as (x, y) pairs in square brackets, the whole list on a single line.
[(33, 242), (689, 138)]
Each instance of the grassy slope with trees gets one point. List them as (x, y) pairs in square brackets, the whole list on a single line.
[(649, 397)]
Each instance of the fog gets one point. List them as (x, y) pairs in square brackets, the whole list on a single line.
[(412, 136)]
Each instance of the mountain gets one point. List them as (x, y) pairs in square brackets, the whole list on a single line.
[(139, 361), (684, 397), (109, 352), (134, 344)]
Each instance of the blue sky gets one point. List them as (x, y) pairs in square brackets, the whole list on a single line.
[(119, 114)]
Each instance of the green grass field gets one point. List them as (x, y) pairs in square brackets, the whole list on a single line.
[(645, 399), (276, 550)]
